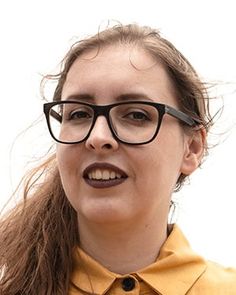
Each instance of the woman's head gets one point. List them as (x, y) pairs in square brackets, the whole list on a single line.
[(190, 91), (130, 63)]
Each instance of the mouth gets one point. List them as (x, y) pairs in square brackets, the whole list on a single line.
[(103, 175)]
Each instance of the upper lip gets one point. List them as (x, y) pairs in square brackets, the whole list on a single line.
[(103, 165)]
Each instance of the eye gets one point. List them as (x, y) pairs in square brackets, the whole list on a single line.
[(137, 116), (79, 115)]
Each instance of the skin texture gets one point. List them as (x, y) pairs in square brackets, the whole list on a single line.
[(134, 212)]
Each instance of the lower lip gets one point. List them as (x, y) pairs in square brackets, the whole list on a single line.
[(104, 183)]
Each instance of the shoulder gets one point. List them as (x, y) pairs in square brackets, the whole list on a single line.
[(217, 280), (202, 276)]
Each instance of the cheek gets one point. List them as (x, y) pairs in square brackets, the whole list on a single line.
[(66, 158), (68, 165), (62, 158), (163, 160), (67, 161)]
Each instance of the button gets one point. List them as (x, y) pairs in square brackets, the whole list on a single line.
[(128, 284)]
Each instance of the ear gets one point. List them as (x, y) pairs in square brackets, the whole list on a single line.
[(194, 151)]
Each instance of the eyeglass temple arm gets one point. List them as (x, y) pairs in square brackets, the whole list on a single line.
[(56, 116), (181, 116)]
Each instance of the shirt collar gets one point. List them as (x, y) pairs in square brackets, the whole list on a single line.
[(90, 276), (177, 266), (174, 272)]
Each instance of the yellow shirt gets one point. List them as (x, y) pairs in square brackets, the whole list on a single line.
[(177, 271)]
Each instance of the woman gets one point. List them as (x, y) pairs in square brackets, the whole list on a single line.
[(130, 118)]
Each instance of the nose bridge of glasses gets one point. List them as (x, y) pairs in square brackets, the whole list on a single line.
[(101, 113), (101, 110)]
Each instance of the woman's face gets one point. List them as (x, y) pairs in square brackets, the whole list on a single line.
[(149, 172)]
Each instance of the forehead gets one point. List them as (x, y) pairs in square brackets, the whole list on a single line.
[(116, 69)]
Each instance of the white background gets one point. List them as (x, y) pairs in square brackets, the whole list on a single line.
[(34, 36)]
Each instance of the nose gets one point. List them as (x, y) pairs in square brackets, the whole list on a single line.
[(101, 139)]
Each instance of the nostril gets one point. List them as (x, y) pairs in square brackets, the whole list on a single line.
[(107, 146)]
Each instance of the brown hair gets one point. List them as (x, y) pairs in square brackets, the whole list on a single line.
[(38, 236)]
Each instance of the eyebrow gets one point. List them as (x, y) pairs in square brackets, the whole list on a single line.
[(133, 96), (83, 96), (123, 97)]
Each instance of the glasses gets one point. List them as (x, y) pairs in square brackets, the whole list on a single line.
[(130, 122)]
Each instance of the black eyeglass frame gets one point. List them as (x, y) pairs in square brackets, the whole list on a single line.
[(104, 110)]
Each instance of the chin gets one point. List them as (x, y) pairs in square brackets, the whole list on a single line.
[(104, 214)]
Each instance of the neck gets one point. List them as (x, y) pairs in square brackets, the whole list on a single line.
[(123, 248)]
